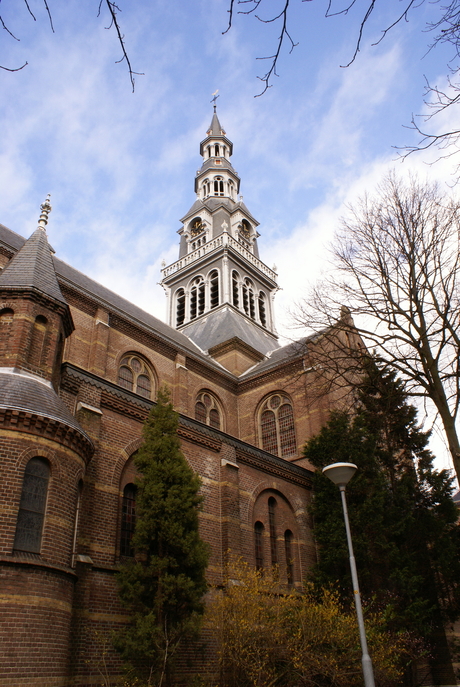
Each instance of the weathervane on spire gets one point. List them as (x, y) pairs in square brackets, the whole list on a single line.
[(46, 209), (215, 96)]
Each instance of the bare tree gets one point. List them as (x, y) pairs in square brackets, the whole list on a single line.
[(113, 10), (396, 267)]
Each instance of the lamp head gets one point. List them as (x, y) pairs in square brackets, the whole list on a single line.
[(340, 473)]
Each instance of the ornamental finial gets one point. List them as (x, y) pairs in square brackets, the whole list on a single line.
[(46, 209)]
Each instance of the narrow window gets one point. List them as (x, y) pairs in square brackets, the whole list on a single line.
[(259, 545), (286, 430), (235, 289), (209, 151), (29, 526), (125, 378), (143, 386), (201, 299), (200, 411), (271, 520), (252, 309), (216, 150), (268, 426), (262, 315), (193, 303), (245, 299), (128, 519), (180, 310), (288, 537), (214, 292)]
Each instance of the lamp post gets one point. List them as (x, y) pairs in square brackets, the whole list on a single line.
[(341, 474)]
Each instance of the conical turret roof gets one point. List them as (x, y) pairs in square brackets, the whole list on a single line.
[(32, 268), (215, 129)]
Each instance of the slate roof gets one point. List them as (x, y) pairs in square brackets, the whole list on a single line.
[(25, 392), (114, 303), (206, 335), (215, 128), (225, 324), (32, 268)]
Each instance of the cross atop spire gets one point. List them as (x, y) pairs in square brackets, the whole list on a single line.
[(45, 211), (214, 99)]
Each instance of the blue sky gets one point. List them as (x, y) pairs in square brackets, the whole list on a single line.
[(120, 166)]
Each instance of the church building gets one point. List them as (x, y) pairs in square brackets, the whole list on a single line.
[(79, 371)]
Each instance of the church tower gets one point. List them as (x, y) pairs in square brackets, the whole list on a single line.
[(220, 294)]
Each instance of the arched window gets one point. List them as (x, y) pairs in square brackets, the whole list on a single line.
[(216, 150), (262, 313), (288, 537), (29, 526), (180, 307), (209, 151), (235, 281), (197, 299), (128, 519), (248, 299), (37, 341), (207, 410), (272, 524), (259, 545), (277, 426), (244, 230), (218, 186), (231, 189), (214, 288), (206, 188), (134, 375)]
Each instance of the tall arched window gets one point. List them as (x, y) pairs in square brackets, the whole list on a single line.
[(206, 188), (288, 537), (197, 298), (216, 150), (231, 189), (128, 519), (235, 282), (262, 312), (259, 545), (180, 307), (29, 526), (277, 426), (248, 299), (272, 524), (134, 375), (218, 186), (214, 289), (207, 410)]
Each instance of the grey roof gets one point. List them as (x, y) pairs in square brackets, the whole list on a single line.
[(224, 324), (114, 302), (23, 391), (281, 355), (32, 268), (210, 164), (213, 203), (215, 128)]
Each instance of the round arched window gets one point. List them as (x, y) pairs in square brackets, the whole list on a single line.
[(276, 423), (207, 410), (134, 375)]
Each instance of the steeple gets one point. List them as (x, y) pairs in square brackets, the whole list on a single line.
[(219, 290), (36, 313)]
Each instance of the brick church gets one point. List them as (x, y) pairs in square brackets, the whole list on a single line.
[(79, 370)]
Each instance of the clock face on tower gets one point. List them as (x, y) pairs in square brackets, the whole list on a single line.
[(197, 227)]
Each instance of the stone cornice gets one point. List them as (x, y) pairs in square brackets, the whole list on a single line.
[(47, 428)]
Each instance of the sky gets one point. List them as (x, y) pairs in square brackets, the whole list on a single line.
[(120, 166)]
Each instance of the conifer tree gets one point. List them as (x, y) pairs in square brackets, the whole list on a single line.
[(404, 522), (163, 585)]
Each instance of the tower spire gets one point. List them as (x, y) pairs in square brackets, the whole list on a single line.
[(45, 211)]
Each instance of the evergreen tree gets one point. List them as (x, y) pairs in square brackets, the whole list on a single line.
[(404, 522), (163, 585)]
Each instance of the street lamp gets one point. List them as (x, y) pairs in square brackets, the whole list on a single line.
[(341, 474)]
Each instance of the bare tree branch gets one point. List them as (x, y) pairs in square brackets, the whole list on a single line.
[(396, 267), (113, 11)]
